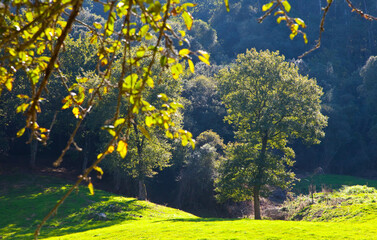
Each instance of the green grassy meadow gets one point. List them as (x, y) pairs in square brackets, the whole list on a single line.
[(24, 200)]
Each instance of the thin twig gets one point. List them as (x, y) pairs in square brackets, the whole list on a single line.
[(361, 13), (321, 29)]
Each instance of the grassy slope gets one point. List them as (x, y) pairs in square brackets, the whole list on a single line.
[(25, 200), (351, 203), (22, 206)]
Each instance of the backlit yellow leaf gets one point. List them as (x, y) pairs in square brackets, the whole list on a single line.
[(91, 188), (188, 19), (281, 18), (76, 112), (20, 132), (122, 148), (8, 84), (150, 82), (227, 4), (98, 169), (110, 149), (148, 121), (191, 65), (204, 60), (119, 121), (286, 5), (267, 6), (184, 52), (300, 22)]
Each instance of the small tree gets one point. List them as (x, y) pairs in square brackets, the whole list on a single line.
[(268, 102)]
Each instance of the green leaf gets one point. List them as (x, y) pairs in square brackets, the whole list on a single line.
[(144, 131), (188, 19), (143, 30), (267, 6), (106, 7), (130, 80), (286, 5), (163, 61), (140, 52), (176, 70)]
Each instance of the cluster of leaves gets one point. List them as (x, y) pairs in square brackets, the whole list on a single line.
[(284, 7)]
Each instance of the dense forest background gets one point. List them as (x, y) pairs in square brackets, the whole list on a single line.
[(345, 67)]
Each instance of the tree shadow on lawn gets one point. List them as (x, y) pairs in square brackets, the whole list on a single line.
[(23, 206), (201, 220)]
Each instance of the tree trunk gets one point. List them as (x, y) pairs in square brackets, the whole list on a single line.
[(260, 182), (142, 190), (257, 214), (33, 153)]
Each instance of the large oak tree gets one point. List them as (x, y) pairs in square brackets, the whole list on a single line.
[(268, 103)]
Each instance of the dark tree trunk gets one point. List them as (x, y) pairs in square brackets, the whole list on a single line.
[(257, 214), (141, 170), (142, 190), (259, 180)]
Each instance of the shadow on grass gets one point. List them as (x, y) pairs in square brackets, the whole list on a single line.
[(201, 220), (25, 201)]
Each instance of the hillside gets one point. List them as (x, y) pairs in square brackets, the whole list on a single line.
[(25, 199), (350, 203)]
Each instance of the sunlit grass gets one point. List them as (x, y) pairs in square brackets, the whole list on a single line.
[(24, 200)]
